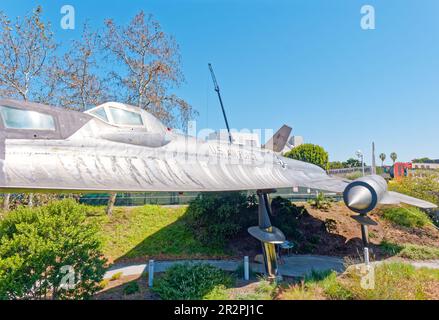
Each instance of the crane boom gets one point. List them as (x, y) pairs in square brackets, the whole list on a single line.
[(217, 89)]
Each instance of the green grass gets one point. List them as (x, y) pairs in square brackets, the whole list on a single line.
[(354, 175), (410, 251), (265, 290), (395, 281), (148, 231), (406, 216)]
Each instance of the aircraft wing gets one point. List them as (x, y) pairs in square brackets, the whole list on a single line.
[(395, 198)]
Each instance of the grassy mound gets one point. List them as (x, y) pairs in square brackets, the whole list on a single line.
[(149, 230), (394, 281), (410, 251), (406, 216)]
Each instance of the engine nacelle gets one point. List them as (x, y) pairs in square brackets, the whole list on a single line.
[(363, 194)]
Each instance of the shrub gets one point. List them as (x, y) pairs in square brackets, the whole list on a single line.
[(406, 216), (310, 153), (38, 199), (216, 217), (47, 246), (424, 187), (131, 288), (192, 282), (286, 216)]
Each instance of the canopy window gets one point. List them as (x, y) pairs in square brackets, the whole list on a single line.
[(14, 118), (124, 117)]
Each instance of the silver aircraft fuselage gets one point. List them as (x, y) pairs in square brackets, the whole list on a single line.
[(87, 153), (117, 147)]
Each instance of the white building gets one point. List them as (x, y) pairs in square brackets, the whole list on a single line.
[(432, 165), (293, 141), (248, 139)]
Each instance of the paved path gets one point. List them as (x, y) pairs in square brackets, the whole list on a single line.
[(293, 266), (432, 264)]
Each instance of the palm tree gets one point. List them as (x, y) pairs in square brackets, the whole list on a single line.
[(382, 157), (393, 156)]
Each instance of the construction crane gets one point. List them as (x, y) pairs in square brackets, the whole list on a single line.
[(217, 89)]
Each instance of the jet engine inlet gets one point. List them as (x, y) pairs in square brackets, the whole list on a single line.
[(363, 194)]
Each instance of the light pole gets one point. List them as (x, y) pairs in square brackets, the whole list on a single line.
[(360, 156)]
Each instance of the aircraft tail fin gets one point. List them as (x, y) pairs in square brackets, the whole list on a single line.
[(278, 141)]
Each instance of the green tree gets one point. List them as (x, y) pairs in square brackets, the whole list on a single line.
[(336, 165), (310, 153), (352, 163), (49, 252), (422, 160), (383, 158), (393, 156)]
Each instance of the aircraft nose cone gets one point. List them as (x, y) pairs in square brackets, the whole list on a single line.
[(359, 198)]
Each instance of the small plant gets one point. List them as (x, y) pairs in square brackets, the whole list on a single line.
[(116, 276), (321, 202), (192, 282), (390, 247), (372, 235), (104, 283), (330, 225), (131, 288)]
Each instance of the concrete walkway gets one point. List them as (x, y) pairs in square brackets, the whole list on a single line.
[(292, 266)]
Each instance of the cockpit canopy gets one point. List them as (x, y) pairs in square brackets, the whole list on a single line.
[(126, 116), (131, 125)]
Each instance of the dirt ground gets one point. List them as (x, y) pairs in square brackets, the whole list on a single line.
[(345, 240), (115, 289)]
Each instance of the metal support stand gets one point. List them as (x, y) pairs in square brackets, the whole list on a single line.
[(365, 221), (267, 234), (365, 238)]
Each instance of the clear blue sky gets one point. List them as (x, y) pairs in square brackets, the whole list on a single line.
[(306, 63)]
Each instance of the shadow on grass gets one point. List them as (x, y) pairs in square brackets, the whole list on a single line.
[(173, 241)]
